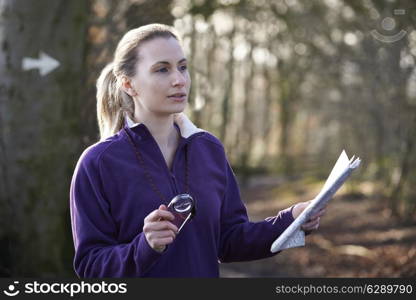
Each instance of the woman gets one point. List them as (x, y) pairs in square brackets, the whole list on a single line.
[(150, 152)]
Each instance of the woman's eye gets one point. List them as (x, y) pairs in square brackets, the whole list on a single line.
[(183, 68), (162, 70)]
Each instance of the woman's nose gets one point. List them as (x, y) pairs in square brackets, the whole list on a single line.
[(179, 79)]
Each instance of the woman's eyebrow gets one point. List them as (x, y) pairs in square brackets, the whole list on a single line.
[(167, 63)]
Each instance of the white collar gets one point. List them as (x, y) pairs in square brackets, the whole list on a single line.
[(186, 126)]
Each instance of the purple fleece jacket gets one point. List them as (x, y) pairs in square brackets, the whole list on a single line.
[(110, 197)]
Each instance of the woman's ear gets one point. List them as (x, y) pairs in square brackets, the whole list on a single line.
[(127, 86)]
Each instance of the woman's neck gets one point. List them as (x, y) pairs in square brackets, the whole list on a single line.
[(161, 127)]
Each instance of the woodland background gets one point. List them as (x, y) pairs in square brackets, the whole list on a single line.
[(285, 85)]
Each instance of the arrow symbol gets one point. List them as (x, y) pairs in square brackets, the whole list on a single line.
[(44, 63)]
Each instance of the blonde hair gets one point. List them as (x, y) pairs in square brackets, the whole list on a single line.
[(113, 104)]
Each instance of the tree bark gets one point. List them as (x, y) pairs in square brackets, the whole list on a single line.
[(39, 132), (226, 107)]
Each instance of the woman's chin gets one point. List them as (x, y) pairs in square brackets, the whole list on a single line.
[(180, 107), (172, 109)]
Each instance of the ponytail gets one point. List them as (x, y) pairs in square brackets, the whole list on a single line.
[(112, 103)]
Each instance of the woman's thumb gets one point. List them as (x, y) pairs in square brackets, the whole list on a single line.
[(163, 207)]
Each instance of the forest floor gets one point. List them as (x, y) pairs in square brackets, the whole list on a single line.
[(357, 237)]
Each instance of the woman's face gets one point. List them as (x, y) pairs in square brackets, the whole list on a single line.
[(162, 80)]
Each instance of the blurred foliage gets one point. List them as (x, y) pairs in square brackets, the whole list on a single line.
[(308, 79)]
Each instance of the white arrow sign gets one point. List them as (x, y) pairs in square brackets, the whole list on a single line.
[(45, 63)]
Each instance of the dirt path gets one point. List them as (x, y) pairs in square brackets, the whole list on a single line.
[(357, 237)]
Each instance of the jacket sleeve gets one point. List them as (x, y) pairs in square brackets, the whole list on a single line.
[(242, 240), (97, 251)]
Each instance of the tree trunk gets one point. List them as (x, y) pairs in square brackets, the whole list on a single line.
[(39, 133), (402, 193), (247, 126), (285, 123), (226, 107)]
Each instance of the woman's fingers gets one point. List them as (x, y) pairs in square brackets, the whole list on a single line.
[(301, 206), (161, 213), (160, 226), (159, 239), (157, 236), (312, 224), (319, 214), (158, 229)]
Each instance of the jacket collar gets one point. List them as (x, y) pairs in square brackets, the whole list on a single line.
[(186, 127)]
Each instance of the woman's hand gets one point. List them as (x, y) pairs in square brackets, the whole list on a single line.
[(313, 222), (158, 229)]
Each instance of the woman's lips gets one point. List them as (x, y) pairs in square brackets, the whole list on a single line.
[(178, 97)]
